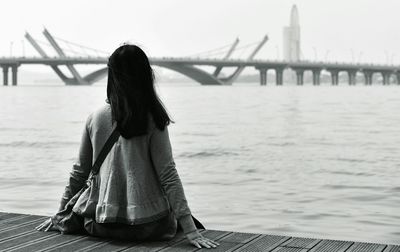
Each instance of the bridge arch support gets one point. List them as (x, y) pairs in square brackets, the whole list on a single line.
[(192, 72)]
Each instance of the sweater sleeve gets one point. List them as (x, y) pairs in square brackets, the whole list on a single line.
[(161, 155), (80, 169)]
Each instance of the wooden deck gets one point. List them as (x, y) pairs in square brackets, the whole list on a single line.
[(17, 233)]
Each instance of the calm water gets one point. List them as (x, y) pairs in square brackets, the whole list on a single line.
[(305, 161)]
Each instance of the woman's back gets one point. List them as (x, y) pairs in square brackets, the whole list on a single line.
[(137, 186), (129, 187)]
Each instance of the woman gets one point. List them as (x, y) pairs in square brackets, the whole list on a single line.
[(138, 185)]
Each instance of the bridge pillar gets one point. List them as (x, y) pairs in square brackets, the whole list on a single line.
[(279, 76), (368, 77), (352, 77), (14, 70), (5, 75), (334, 77), (263, 76), (386, 77), (316, 76), (299, 76), (398, 78)]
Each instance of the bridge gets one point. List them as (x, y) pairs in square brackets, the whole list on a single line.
[(191, 66)]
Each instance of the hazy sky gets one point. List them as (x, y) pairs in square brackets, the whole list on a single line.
[(366, 30)]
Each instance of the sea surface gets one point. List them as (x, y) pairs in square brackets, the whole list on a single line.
[(295, 160)]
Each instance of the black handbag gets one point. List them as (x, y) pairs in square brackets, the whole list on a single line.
[(66, 220)]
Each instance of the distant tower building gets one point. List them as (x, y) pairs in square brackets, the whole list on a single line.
[(291, 37)]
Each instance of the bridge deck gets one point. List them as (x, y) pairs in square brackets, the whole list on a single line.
[(17, 233)]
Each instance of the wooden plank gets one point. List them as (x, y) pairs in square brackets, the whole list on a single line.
[(18, 225), (238, 237), (298, 242), (392, 248), (18, 230), (289, 249), (234, 241), (46, 243), (17, 233), (4, 221), (116, 245), (214, 234), (22, 219), (18, 240), (16, 222), (86, 243), (158, 245), (2, 214), (366, 247), (332, 245), (6, 216), (264, 243), (184, 245), (109, 246)]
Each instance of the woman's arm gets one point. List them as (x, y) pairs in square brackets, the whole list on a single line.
[(80, 169), (80, 172), (161, 154)]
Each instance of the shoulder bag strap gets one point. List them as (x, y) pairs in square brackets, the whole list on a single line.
[(112, 139)]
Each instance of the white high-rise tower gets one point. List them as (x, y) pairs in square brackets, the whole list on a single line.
[(291, 37)]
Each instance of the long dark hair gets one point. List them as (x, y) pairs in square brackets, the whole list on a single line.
[(131, 92)]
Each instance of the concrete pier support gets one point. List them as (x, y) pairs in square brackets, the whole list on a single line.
[(368, 77), (352, 77), (5, 75), (299, 77), (316, 73), (14, 71), (386, 78), (279, 76), (263, 76), (334, 77)]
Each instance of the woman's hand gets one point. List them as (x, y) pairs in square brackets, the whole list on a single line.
[(47, 225), (200, 241)]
